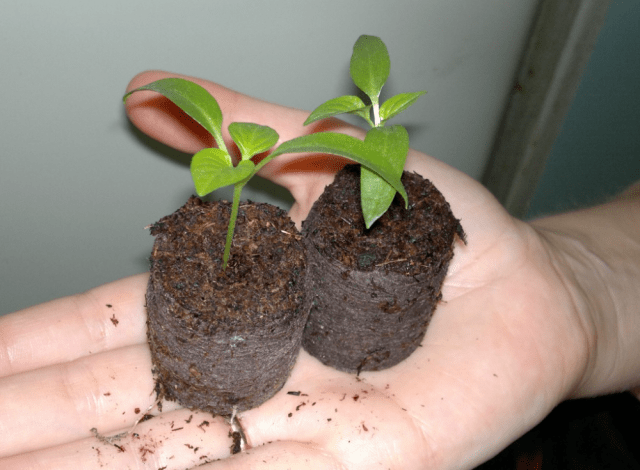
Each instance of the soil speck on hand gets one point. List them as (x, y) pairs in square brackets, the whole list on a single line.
[(114, 320), (144, 451), (236, 446)]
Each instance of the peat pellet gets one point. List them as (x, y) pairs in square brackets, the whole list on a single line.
[(224, 340), (371, 292)]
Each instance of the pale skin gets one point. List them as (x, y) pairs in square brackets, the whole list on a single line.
[(533, 314)]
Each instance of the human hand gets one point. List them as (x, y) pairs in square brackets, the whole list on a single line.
[(504, 347)]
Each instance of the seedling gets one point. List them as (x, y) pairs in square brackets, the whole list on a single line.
[(369, 69), (213, 168), (382, 154)]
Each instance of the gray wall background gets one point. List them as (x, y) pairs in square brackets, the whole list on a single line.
[(597, 153), (78, 184)]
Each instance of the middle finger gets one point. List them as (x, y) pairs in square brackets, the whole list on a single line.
[(63, 402)]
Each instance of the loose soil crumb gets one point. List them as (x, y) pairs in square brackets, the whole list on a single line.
[(109, 440), (236, 446)]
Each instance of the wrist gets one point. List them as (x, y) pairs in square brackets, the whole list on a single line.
[(599, 261)]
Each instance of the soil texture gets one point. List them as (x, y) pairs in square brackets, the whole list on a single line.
[(371, 292), (224, 340)]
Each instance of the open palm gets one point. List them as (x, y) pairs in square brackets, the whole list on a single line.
[(504, 347)]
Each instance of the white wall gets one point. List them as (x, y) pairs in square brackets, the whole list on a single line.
[(78, 184)]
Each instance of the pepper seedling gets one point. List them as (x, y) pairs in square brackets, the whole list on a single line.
[(213, 168), (369, 69)]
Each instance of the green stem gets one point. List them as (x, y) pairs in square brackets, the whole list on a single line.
[(369, 121), (237, 189), (376, 113)]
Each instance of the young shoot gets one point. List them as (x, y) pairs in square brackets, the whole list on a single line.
[(369, 69), (213, 168)]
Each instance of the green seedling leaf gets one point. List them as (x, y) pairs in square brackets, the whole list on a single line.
[(370, 65), (398, 103), (344, 146), (194, 100), (340, 105), (376, 193), (212, 168), (251, 138)]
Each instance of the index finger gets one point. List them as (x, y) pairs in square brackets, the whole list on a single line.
[(107, 317), (159, 118)]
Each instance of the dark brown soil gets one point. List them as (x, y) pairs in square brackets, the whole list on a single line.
[(224, 340), (371, 293)]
